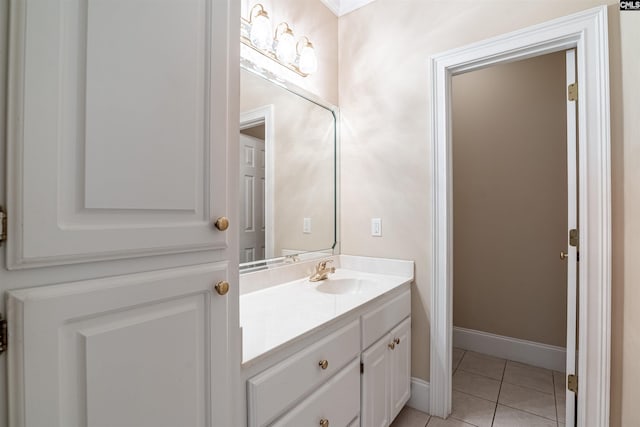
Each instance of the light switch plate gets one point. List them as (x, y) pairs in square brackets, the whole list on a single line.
[(306, 225), (376, 227)]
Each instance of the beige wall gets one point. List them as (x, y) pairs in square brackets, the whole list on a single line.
[(384, 98), (510, 199), (313, 19)]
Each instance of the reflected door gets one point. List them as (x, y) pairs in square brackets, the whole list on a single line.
[(252, 195)]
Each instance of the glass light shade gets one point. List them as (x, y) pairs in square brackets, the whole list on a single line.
[(260, 34), (286, 48), (308, 63)]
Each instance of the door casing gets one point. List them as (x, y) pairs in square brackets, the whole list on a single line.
[(586, 31)]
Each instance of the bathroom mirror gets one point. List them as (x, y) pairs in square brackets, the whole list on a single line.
[(287, 172)]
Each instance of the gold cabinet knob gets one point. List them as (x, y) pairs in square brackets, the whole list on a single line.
[(324, 422), (324, 364), (222, 287), (392, 345), (563, 255), (222, 223), (397, 340)]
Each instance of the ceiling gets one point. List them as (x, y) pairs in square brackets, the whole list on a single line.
[(342, 7)]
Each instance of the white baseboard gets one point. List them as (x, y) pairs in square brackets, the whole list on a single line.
[(419, 395), (529, 352)]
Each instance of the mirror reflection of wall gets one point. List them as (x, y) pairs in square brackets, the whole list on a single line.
[(287, 163)]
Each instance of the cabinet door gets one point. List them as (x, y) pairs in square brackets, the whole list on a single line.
[(143, 350), (118, 128), (375, 385), (400, 366)]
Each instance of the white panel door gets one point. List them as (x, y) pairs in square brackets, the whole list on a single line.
[(252, 196), (572, 251), (375, 385), (118, 129), (143, 350), (400, 367)]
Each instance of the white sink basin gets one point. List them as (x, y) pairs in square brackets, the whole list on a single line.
[(344, 286)]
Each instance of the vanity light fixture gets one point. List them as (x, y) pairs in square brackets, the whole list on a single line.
[(255, 32), (307, 61), (285, 44), (260, 33)]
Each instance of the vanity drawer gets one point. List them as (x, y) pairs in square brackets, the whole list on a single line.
[(279, 387), (378, 322), (337, 401)]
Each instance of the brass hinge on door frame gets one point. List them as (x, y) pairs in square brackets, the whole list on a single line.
[(3, 335), (573, 237), (572, 383), (572, 92), (3, 225)]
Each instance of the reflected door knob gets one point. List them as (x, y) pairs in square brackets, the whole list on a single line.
[(222, 287), (222, 223), (563, 255)]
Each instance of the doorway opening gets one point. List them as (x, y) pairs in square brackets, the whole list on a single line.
[(510, 170), (586, 32)]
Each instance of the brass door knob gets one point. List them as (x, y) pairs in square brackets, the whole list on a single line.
[(324, 364), (222, 287), (324, 422), (392, 345), (222, 223), (563, 255), (397, 340)]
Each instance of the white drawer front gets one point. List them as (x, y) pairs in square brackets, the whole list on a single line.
[(378, 322), (279, 387), (337, 401)]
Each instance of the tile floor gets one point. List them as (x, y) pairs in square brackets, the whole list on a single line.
[(492, 392)]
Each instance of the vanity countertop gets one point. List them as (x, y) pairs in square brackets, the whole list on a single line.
[(272, 316)]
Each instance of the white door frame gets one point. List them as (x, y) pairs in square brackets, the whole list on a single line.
[(248, 119), (588, 32)]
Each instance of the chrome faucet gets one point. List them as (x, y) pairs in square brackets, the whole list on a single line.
[(322, 271)]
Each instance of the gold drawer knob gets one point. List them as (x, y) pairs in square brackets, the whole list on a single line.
[(563, 255), (222, 223), (324, 422), (392, 345), (222, 287), (397, 340), (324, 364)]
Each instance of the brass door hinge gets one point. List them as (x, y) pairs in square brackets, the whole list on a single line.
[(572, 92), (3, 335), (573, 237), (3, 225), (572, 383)]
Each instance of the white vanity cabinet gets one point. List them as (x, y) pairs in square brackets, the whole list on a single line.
[(386, 365), (274, 391), (328, 380)]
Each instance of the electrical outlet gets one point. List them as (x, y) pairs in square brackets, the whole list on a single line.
[(306, 225), (376, 227)]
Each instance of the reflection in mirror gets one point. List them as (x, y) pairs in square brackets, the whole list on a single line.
[(287, 173)]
